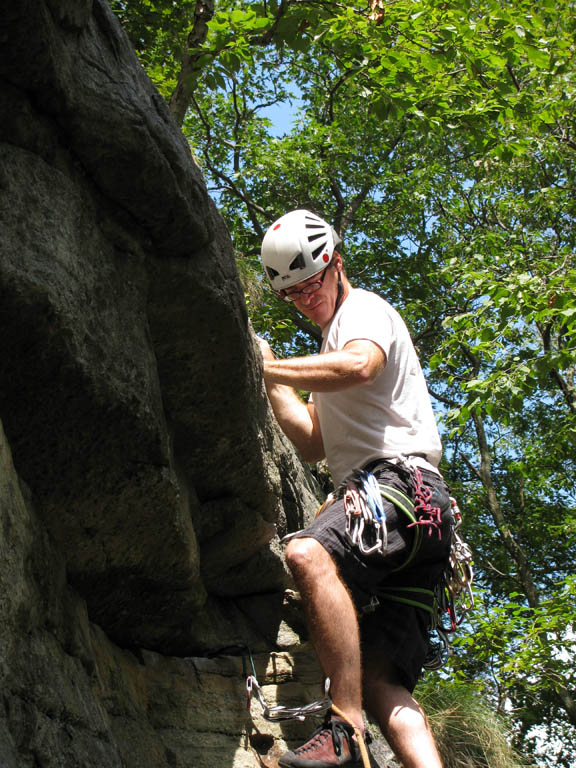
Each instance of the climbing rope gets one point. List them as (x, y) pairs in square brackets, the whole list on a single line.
[(357, 733)]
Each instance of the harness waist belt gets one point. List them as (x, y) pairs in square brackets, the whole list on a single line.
[(418, 459)]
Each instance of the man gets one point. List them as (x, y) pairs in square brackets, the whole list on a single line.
[(369, 409)]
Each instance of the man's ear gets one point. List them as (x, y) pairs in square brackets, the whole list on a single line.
[(337, 259)]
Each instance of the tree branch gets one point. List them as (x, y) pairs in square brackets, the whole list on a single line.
[(442, 398)]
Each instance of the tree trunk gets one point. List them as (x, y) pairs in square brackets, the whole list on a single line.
[(512, 547), (180, 99), (568, 702), (565, 697)]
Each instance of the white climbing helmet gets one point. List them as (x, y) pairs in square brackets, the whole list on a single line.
[(297, 246)]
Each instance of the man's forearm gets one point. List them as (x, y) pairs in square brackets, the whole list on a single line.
[(294, 417), (331, 372)]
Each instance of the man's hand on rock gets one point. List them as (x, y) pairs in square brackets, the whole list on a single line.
[(265, 349)]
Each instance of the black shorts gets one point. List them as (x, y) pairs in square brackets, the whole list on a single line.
[(398, 631)]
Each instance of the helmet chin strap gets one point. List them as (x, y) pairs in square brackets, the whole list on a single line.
[(340, 293)]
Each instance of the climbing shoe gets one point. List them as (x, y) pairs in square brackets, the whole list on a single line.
[(331, 744)]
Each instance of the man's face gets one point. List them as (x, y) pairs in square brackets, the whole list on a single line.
[(320, 305)]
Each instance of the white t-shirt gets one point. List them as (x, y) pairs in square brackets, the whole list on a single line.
[(392, 415)]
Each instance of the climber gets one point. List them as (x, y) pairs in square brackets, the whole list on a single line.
[(369, 409)]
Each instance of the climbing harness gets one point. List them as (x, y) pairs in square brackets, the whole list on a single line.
[(365, 515), (366, 529), (366, 518)]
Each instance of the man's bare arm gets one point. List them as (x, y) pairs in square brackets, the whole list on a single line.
[(297, 419), (358, 363)]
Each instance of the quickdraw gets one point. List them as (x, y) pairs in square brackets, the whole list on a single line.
[(254, 690), (454, 593), (365, 516), (274, 714), (422, 505), (277, 713)]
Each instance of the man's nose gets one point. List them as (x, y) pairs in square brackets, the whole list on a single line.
[(305, 298)]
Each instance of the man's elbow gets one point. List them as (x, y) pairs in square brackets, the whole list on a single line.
[(311, 457), (365, 374), (366, 370), (313, 451)]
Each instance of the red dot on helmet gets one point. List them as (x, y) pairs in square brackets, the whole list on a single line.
[(277, 227), (326, 258)]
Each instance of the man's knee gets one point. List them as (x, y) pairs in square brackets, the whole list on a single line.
[(304, 554), (381, 681)]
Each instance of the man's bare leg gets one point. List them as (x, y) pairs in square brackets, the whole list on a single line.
[(332, 623), (400, 717)]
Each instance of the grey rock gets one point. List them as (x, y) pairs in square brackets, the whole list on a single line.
[(130, 387), (144, 484)]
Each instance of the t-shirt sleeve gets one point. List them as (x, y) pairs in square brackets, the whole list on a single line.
[(368, 318)]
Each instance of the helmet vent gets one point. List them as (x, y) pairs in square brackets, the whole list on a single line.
[(317, 251), (272, 273), (298, 263)]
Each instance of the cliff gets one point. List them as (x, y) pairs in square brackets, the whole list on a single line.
[(143, 482)]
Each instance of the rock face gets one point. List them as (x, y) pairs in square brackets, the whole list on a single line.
[(71, 697), (131, 395), (143, 482)]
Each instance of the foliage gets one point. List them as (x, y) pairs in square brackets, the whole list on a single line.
[(439, 138), (467, 731), (158, 30)]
